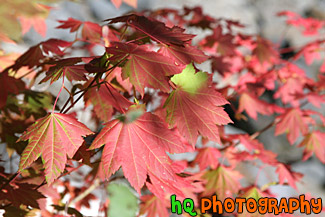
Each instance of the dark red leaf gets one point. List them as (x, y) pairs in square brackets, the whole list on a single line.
[(156, 30), (21, 193), (183, 55), (9, 85), (144, 68)]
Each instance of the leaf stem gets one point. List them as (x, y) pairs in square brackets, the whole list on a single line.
[(11, 179), (257, 133), (137, 39), (56, 100)]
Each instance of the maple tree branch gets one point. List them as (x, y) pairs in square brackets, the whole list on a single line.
[(27, 73), (81, 196), (274, 122), (96, 85), (98, 75), (257, 133), (87, 88), (123, 33)]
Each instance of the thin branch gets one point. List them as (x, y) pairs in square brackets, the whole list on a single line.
[(27, 73), (98, 75), (257, 133), (81, 196), (96, 85)]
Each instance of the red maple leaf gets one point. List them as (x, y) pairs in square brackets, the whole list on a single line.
[(90, 31), (52, 137), (311, 25), (35, 55), (235, 156), (314, 143), (152, 206), (195, 107), (37, 22), (183, 55), (285, 173), (156, 30), (223, 43), (224, 182), (104, 99), (32, 57), (293, 81), (199, 19), (138, 142), (250, 144), (289, 90), (264, 51), (222, 65), (255, 150), (54, 46), (144, 68), (183, 187), (251, 104), (162, 187), (208, 157), (293, 123), (310, 52), (9, 85), (66, 67), (70, 23), (75, 73), (72, 72)]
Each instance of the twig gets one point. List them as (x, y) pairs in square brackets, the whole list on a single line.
[(81, 196), (109, 70), (257, 133)]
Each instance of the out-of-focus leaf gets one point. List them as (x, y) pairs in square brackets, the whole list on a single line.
[(122, 201)]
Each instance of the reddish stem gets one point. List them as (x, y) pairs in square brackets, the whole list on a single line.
[(56, 100)]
